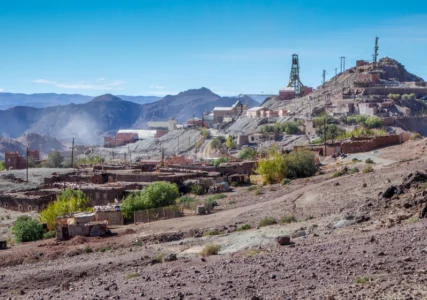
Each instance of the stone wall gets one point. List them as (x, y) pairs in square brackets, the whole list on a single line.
[(26, 202)]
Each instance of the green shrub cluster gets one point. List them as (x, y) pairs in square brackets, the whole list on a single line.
[(27, 229), (247, 153), (2, 165), (286, 127), (218, 161), (67, 202), (198, 189), (187, 202), (267, 221), (278, 166), (157, 194)]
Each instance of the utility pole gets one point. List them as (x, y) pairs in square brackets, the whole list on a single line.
[(342, 64), (27, 164), (323, 75), (178, 144), (376, 51), (324, 129), (72, 154)]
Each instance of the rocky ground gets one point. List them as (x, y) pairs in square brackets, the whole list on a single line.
[(351, 241)]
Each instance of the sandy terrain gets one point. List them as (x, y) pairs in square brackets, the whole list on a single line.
[(349, 243)]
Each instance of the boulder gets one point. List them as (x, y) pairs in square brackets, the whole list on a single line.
[(283, 240)]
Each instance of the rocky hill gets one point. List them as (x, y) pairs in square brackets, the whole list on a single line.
[(45, 144), (89, 122)]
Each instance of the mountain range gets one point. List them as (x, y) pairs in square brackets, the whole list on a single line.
[(8, 100), (89, 122)]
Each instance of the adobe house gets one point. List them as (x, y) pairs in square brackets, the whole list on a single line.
[(14, 161)]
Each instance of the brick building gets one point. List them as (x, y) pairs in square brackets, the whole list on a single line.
[(14, 161)]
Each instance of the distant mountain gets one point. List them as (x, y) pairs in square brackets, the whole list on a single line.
[(44, 143), (89, 122), (8, 100)]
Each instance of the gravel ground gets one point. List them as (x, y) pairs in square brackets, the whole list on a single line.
[(333, 255)]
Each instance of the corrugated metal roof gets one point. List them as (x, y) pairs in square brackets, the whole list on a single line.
[(142, 134), (223, 108)]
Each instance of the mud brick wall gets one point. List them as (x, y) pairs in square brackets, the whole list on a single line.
[(366, 145), (21, 202), (103, 196)]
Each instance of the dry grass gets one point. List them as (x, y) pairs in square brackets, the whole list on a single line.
[(211, 249)]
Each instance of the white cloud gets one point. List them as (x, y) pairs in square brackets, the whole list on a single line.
[(1, 90), (100, 79), (113, 85), (157, 87)]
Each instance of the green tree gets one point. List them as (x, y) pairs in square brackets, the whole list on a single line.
[(277, 166), (32, 163), (230, 143), (393, 96), (157, 194), (218, 161), (67, 202), (216, 143), (205, 132), (2, 165), (247, 153), (54, 160), (27, 229), (373, 122)]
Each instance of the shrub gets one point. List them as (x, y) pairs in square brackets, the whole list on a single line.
[(287, 127), (210, 203), (216, 143), (298, 164), (252, 188), (413, 220), (373, 122), (253, 252), (353, 170), (369, 161), (258, 192), (132, 275), (50, 234), (415, 136), (362, 280), (267, 221), (198, 189), (205, 132), (234, 184), (88, 249), (187, 202), (285, 181), (355, 160), (247, 153), (27, 229), (211, 249), (219, 161), (2, 165), (338, 174), (157, 194), (368, 169), (89, 160), (211, 232), (230, 143), (67, 202), (287, 219), (244, 227), (393, 96), (158, 258)]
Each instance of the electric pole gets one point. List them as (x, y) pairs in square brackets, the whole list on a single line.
[(323, 75), (324, 125), (376, 51), (27, 164), (72, 154), (342, 64)]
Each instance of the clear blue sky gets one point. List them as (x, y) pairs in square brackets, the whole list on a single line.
[(152, 47)]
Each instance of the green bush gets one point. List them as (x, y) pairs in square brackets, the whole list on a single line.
[(220, 160), (338, 174), (414, 136), (198, 189), (230, 143), (258, 191), (267, 221), (50, 234), (27, 229), (353, 170), (2, 165), (355, 160), (285, 181), (288, 220), (247, 153), (286, 127), (244, 227), (210, 203), (234, 184), (157, 194), (368, 169), (89, 160), (211, 249), (298, 164), (67, 202), (187, 202), (253, 252), (393, 96), (216, 143), (132, 275), (373, 122), (205, 132), (88, 249), (369, 161), (252, 188)]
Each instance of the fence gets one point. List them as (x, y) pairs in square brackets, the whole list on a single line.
[(160, 213)]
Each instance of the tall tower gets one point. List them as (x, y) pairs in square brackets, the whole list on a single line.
[(294, 80), (376, 51)]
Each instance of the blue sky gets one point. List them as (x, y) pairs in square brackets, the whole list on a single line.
[(152, 47)]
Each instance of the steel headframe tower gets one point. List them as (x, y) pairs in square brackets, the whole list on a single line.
[(294, 80), (376, 51)]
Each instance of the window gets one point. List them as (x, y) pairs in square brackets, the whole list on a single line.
[(30, 208), (20, 207)]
